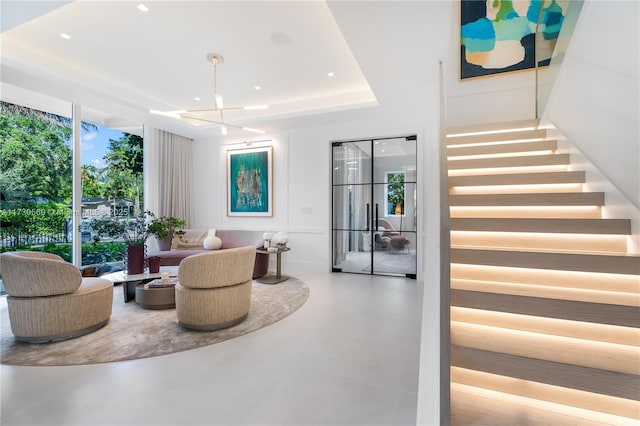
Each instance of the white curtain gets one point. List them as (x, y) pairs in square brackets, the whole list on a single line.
[(168, 174)]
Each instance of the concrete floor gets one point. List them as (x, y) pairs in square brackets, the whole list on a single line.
[(349, 356)]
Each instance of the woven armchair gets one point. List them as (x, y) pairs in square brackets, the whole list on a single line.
[(214, 289), (49, 300)]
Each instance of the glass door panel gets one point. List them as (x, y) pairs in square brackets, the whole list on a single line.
[(351, 206), (352, 163)]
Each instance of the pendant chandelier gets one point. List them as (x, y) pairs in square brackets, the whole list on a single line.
[(218, 104)]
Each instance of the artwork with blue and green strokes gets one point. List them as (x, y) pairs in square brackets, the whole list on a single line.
[(249, 181), (499, 36)]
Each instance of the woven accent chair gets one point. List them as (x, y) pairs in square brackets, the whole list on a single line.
[(49, 300), (214, 289)]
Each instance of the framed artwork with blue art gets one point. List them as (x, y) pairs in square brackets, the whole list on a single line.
[(499, 36), (250, 182)]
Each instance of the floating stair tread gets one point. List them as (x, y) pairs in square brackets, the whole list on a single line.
[(556, 326), (524, 212), (472, 405), (537, 392), (503, 148), (549, 242), (566, 350), (599, 313), (549, 292), (496, 137), (587, 262), (508, 126), (522, 161), (575, 377), (624, 283), (518, 179), (529, 199), (565, 226)]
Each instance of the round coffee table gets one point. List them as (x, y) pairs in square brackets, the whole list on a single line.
[(129, 282)]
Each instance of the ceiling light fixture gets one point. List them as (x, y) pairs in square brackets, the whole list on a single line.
[(218, 104), (143, 8), (65, 36)]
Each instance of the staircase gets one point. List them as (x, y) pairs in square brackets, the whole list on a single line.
[(545, 298)]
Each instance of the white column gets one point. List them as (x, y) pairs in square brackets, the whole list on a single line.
[(76, 194), (151, 161)]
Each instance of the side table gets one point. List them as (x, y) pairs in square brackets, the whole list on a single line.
[(278, 277)]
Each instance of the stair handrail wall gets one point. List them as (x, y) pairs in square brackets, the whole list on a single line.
[(445, 260), (594, 102)]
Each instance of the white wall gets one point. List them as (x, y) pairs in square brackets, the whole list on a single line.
[(596, 99), (302, 181)]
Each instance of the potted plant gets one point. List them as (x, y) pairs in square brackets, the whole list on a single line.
[(164, 228), (134, 231)]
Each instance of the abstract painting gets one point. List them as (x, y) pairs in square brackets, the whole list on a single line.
[(250, 182), (499, 36)]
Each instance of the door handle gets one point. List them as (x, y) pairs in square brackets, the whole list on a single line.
[(368, 216)]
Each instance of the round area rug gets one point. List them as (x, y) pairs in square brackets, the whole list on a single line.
[(134, 332)]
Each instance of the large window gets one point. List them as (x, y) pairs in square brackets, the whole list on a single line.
[(36, 182)]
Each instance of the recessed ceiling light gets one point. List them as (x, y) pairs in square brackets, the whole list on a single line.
[(143, 8), (65, 36), (330, 74), (196, 98), (257, 87)]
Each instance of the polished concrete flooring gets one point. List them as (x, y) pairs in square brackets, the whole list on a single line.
[(349, 356)]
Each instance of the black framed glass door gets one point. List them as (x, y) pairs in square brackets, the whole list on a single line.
[(374, 205)]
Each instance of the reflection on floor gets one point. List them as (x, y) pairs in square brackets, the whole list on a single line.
[(384, 262)]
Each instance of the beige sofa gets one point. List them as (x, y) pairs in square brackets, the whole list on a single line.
[(214, 289), (192, 243), (49, 300)]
